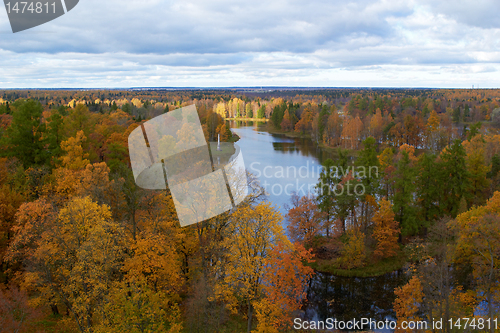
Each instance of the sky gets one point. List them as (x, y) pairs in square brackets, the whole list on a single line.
[(233, 43)]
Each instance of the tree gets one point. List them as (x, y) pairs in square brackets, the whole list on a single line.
[(478, 242), (408, 299), (10, 201), (326, 198), (455, 175), (353, 253), (24, 137), (404, 189), (428, 188), (155, 261), (16, 315), (261, 112), (477, 169), (74, 259), (385, 160), (305, 122), (333, 131), (249, 111), (75, 157), (376, 125), (385, 231), (286, 124), (433, 124), (351, 132), (304, 220), (133, 306), (366, 163), (54, 133), (284, 283), (248, 240)]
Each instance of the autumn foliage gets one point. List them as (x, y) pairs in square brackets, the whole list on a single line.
[(385, 230)]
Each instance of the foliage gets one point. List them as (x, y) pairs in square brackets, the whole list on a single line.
[(386, 231), (406, 305), (353, 253), (304, 220)]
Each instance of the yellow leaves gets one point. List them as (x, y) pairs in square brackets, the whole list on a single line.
[(266, 313), (386, 158), (385, 231), (155, 258), (478, 242), (353, 252), (410, 150), (132, 306), (249, 237), (284, 285), (433, 122), (74, 256), (408, 299), (75, 158)]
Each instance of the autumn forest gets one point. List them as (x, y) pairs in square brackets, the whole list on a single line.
[(84, 249)]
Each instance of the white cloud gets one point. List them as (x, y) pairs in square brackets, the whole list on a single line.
[(282, 42)]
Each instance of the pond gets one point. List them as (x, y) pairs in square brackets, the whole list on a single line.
[(283, 165)]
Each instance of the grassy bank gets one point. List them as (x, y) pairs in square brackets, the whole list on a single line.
[(372, 269), (248, 119)]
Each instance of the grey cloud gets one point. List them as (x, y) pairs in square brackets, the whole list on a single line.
[(478, 13)]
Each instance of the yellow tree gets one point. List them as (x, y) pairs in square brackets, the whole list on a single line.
[(376, 124), (75, 157), (133, 306), (74, 259), (476, 165), (433, 124), (248, 241), (386, 230), (284, 284), (155, 260), (353, 253), (408, 299), (478, 243)]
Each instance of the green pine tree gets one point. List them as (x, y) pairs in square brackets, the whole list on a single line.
[(23, 138), (404, 189), (456, 177)]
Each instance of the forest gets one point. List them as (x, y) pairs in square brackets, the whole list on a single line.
[(84, 249)]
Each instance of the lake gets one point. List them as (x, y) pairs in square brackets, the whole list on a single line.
[(285, 165)]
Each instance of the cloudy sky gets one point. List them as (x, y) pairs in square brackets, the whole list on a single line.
[(227, 43)]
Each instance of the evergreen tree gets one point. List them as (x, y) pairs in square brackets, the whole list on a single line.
[(428, 189), (249, 111), (322, 120), (454, 174), (368, 172), (404, 189), (23, 138), (261, 113), (456, 115), (328, 178), (54, 134), (278, 114)]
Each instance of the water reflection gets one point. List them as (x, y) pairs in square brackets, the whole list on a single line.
[(282, 164), (344, 298)]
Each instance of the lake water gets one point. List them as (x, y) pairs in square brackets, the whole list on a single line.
[(284, 165)]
